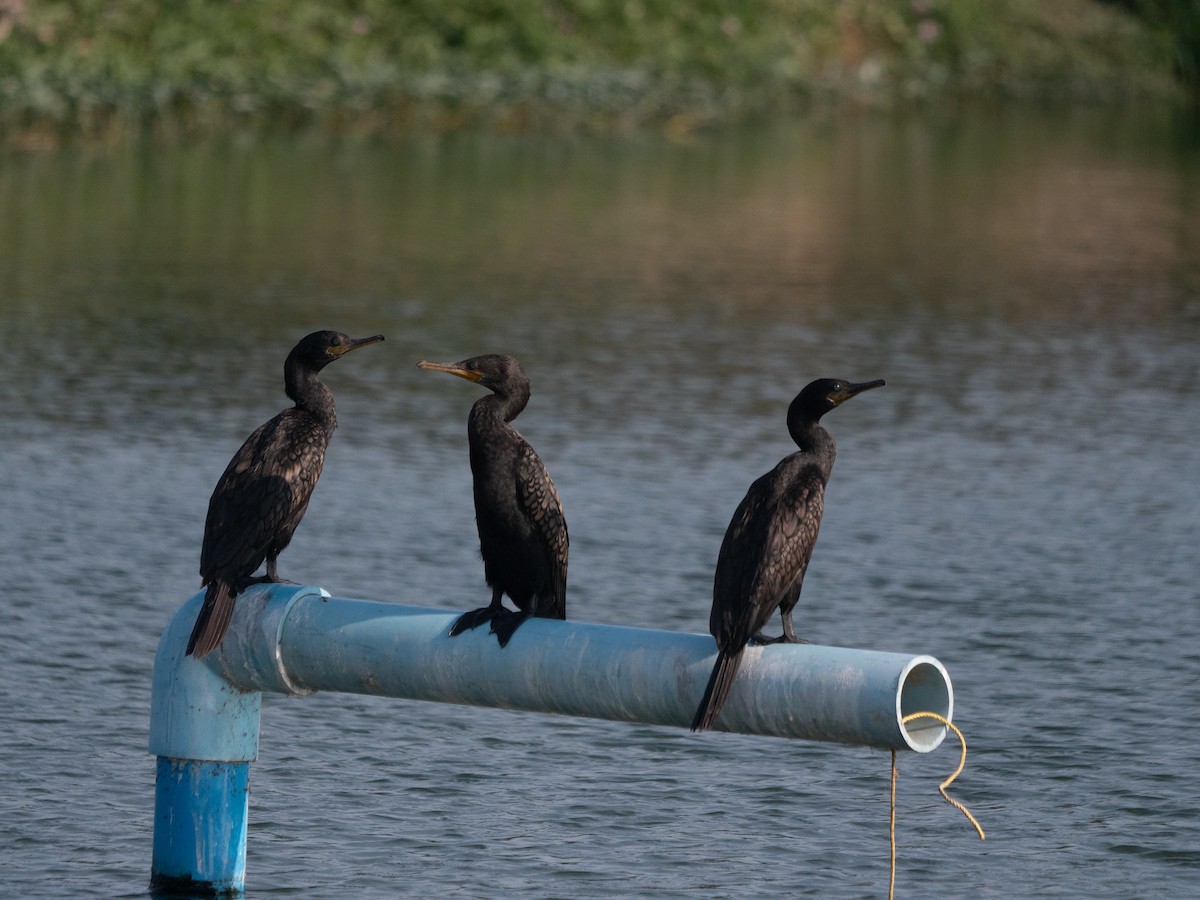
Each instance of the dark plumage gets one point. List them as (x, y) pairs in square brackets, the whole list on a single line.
[(265, 489), (522, 531), (770, 540)]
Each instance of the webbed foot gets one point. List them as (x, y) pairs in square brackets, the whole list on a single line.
[(505, 625), (761, 640), (475, 618)]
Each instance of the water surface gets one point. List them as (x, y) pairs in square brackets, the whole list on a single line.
[(1020, 501)]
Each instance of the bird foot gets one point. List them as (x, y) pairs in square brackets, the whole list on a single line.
[(265, 579), (505, 625), (475, 618), (761, 640)]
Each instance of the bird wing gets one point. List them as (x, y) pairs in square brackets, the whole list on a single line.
[(262, 493), (765, 553), (540, 502)]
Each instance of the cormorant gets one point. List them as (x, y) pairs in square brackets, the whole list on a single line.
[(265, 489), (522, 531), (770, 540)]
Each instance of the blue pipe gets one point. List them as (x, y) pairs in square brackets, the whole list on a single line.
[(296, 640), (204, 731), (200, 813)]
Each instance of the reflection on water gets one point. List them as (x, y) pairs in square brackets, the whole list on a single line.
[(802, 213), (1020, 500)]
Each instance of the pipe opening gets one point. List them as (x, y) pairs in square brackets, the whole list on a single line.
[(924, 687)]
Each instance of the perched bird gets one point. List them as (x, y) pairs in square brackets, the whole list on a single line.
[(522, 531), (770, 540), (265, 489)]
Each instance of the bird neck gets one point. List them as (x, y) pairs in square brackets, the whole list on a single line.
[(310, 394), (811, 438), (505, 407)]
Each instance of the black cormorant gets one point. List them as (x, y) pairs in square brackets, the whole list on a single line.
[(265, 489), (769, 542), (522, 531)]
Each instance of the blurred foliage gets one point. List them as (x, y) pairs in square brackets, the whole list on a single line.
[(94, 65), (1179, 21)]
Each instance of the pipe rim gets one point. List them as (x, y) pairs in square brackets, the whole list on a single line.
[(924, 686)]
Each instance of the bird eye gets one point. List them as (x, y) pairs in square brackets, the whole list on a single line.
[(335, 341)]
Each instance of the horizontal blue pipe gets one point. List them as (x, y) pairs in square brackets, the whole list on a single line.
[(298, 640), (204, 715)]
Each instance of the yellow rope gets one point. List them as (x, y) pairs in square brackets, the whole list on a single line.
[(962, 762), (892, 831)]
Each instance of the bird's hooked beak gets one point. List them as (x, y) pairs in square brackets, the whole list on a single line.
[(839, 397), (343, 349), (452, 368)]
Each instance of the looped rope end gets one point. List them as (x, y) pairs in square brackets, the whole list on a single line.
[(962, 762)]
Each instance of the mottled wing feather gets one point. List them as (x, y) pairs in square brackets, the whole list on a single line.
[(540, 503), (261, 496), (765, 554)]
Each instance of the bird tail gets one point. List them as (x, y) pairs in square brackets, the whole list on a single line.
[(720, 683), (213, 619)]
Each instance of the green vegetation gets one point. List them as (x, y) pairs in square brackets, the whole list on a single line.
[(1179, 22), (102, 66)]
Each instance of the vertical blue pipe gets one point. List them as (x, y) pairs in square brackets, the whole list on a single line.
[(204, 731), (201, 808)]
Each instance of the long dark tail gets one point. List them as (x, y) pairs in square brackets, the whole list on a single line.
[(213, 620), (720, 683)]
